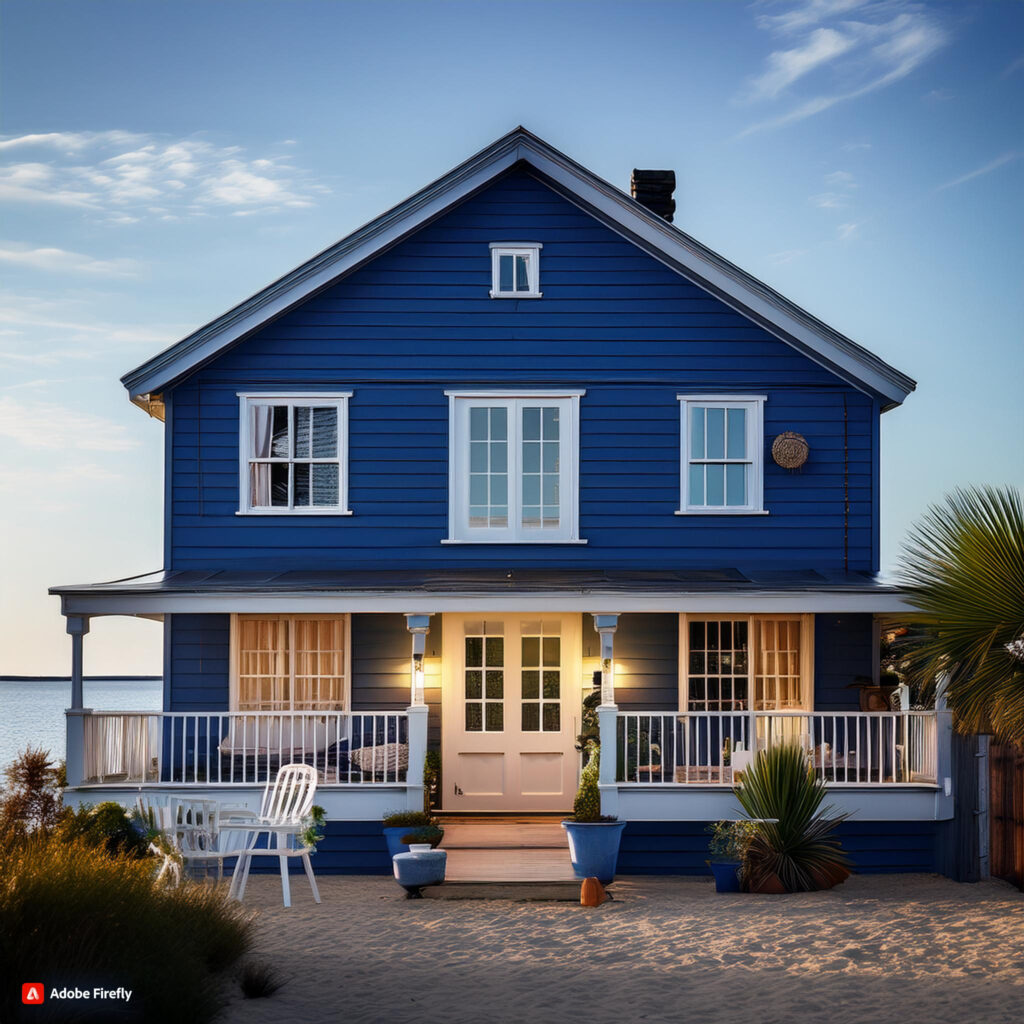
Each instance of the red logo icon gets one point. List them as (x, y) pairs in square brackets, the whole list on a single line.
[(32, 993)]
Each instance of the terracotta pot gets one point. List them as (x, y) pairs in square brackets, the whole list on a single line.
[(592, 893), (826, 878), (771, 885)]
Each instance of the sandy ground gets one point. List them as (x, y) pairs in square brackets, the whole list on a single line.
[(896, 948)]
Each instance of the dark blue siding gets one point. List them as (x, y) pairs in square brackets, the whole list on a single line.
[(612, 320), (681, 847), (199, 658), (843, 651)]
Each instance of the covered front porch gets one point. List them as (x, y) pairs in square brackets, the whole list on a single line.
[(694, 678)]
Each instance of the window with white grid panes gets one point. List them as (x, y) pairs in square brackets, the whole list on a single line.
[(488, 466), (722, 458), (293, 453), (291, 663), (484, 677), (541, 674), (513, 468), (718, 666), (777, 664)]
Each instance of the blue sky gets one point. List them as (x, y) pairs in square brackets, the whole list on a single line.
[(161, 161)]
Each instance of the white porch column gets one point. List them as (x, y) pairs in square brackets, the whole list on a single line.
[(943, 751), (607, 714), (419, 627), (77, 626)]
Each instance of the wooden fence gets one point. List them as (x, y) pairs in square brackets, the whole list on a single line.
[(1006, 786)]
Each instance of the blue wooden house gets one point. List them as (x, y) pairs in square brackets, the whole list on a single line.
[(517, 438)]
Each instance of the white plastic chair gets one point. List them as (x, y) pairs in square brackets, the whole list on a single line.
[(284, 805), (192, 830)]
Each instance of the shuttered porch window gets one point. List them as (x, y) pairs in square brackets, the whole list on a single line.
[(727, 662), (290, 662)]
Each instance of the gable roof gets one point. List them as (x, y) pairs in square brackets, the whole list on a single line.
[(608, 204)]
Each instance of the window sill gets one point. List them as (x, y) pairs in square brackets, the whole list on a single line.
[(519, 543), (293, 513), (517, 295), (722, 512)]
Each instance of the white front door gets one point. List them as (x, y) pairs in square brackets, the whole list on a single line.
[(510, 710)]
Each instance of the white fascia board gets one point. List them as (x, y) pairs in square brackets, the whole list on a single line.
[(729, 283), (96, 603), (653, 234)]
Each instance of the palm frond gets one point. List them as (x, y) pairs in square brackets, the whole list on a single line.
[(963, 566)]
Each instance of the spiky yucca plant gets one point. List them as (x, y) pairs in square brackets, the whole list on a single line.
[(587, 805), (963, 566), (799, 847)]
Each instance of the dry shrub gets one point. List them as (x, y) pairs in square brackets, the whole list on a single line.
[(71, 915)]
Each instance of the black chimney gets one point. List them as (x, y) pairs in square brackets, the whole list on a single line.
[(654, 190)]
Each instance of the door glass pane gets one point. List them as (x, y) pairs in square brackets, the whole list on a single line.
[(484, 677), (474, 718), (717, 676), (531, 684), (531, 718), (552, 718), (495, 717)]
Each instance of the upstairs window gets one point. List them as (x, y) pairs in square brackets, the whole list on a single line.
[(515, 270), (513, 464), (722, 461), (294, 454)]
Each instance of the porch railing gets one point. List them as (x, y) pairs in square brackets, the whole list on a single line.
[(846, 748), (367, 748)]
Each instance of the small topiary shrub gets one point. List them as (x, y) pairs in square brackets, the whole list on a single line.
[(587, 805)]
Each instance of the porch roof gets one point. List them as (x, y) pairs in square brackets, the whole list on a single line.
[(396, 590)]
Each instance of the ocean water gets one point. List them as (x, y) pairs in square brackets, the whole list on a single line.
[(32, 710)]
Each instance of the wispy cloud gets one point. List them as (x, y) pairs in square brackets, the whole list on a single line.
[(842, 185), (992, 165), (786, 66), (1013, 67), (870, 45), (846, 232), (127, 176), (64, 261), (48, 426)]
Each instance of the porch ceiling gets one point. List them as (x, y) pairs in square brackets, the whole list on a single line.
[(706, 590)]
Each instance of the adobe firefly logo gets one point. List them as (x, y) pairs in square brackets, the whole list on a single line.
[(32, 993)]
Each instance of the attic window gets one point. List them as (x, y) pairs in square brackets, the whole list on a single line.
[(515, 270)]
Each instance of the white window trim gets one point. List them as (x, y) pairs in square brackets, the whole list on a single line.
[(246, 399), (459, 531), (233, 658), (530, 249), (806, 652), (755, 446)]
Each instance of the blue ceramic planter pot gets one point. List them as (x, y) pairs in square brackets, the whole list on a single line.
[(727, 875), (418, 868), (393, 837), (594, 848)]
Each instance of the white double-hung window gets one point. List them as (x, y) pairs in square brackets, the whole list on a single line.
[(722, 442), (513, 467), (515, 270), (293, 454)]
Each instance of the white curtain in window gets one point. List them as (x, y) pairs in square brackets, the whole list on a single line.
[(262, 422)]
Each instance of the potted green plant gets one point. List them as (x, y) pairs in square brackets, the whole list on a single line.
[(794, 847), (398, 824), (593, 837), (727, 849)]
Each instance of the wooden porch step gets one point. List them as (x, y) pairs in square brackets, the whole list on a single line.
[(521, 892), (509, 849)]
